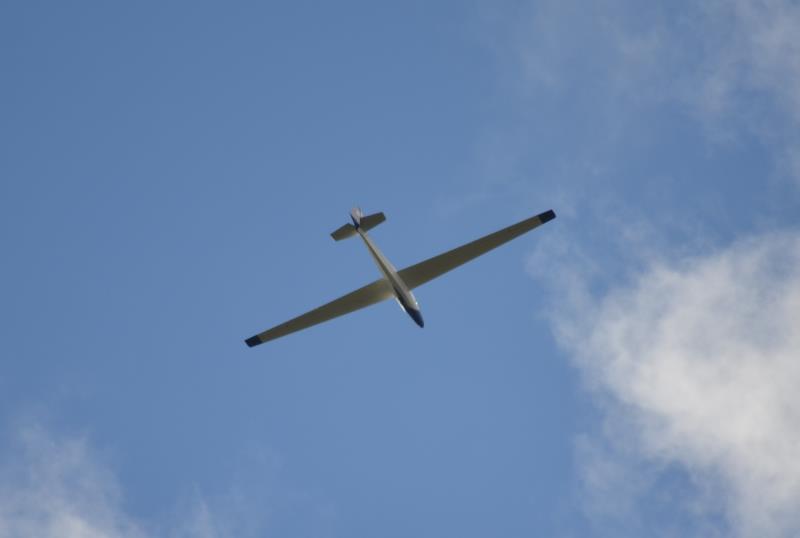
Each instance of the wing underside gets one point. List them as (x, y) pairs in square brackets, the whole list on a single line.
[(360, 298), (419, 274)]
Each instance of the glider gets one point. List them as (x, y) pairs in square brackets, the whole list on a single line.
[(395, 284)]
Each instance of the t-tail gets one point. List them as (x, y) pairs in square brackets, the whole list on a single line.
[(360, 222), (355, 215)]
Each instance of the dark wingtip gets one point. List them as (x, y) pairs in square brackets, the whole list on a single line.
[(253, 341), (547, 216)]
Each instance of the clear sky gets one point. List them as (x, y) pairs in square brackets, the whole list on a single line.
[(169, 175)]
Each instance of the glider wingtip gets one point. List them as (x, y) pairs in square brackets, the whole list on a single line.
[(547, 216), (253, 341)]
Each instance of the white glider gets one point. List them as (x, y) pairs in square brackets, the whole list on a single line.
[(394, 283)]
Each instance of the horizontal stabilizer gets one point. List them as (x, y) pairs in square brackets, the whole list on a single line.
[(365, 223), (348, 230), (370, 221)]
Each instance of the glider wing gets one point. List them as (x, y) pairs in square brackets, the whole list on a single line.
[(419, 274), (360, 298)]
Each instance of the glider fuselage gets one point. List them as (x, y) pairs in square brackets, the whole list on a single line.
[(403, 295)]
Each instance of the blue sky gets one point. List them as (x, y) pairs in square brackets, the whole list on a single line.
[(170, 175)]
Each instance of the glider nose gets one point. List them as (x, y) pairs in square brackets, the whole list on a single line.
[(416, 315)]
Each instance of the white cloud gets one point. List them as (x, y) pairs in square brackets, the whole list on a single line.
[(693, 363), (695, 366), (56, 486), (53, 489)]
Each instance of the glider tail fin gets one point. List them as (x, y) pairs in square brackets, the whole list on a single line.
[(356, 215), (360, 222)]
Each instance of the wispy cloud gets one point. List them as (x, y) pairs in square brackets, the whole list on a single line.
[(53, 488), (712, 55), (614, 71), (56, 486), (695, 365)]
